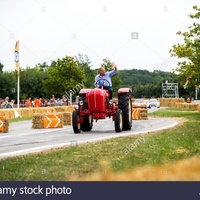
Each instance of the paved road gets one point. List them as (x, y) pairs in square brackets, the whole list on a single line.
[(22, 139)]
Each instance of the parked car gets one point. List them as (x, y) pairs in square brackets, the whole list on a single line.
[(139, 103), (154, 103), (147, 102)]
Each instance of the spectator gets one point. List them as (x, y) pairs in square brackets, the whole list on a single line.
[(5, 103), (65, 100), (37, 102), (28, 102), (12, 103)]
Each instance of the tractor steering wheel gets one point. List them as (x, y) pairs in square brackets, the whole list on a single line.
[(102, 82)]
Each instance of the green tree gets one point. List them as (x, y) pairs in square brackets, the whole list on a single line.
[(1, 67), (189, 52), (31, 82), (43, 66), (116, 80), (8, 85), (64, 75), (85, 63)]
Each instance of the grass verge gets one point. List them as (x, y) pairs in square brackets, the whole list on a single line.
[(124, 153), (19, 119)]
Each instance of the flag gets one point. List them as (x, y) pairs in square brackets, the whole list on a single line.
[(16, 54)]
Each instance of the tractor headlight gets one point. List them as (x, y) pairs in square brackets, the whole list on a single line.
[(81, 103)]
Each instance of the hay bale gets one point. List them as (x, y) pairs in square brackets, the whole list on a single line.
[(189, 106), (170, 102), (47, 120), (29, 112), (4, 124), (198, 107), (7, 112), (139, 114), (38, 121), (143, 114), (115, 100), (69, 109), (64, 108), (179, 105), (43, 110), (59, 108), (25, 112), (67, 118)]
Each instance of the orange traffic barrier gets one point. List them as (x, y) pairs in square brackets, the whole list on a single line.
[(135, 114), (1, 124), (52, 121), (4, 124)]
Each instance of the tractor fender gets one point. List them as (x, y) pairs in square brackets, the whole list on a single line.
[(124, 90)]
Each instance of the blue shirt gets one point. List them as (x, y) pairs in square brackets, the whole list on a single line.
[(107, 77)]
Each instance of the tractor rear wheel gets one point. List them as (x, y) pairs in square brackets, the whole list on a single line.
[(87, 123), (125, 104), (76, 122), (118, 121)]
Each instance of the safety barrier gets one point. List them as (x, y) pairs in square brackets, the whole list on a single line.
[(4, 124), (139, 114), (47, 120), (51, 120), (170, 102), (28, 112), (189, 106)]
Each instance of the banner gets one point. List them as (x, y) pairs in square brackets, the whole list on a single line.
[(16, 54), (76, 190)]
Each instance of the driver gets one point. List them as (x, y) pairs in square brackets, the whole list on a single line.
[(103, 79)]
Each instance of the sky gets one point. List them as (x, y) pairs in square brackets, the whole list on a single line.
[(132, 33)]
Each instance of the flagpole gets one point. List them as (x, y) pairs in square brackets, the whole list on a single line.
[(16, 54), (18, 90)]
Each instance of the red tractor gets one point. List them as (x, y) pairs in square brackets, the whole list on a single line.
[(94, 104)]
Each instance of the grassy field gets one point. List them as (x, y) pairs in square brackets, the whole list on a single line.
[(20, 119), (121, 154)]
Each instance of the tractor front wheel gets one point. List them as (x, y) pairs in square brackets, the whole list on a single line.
[(125, 104), (76, 122), (118, 121), (87, 123)]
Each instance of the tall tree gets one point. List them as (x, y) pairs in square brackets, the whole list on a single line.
[(43, 66), (8, 85), (1, 67), (189, 52), (31, 82), (85, 63), (64, 75)]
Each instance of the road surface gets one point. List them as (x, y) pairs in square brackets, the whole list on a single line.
[(23, 139)]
